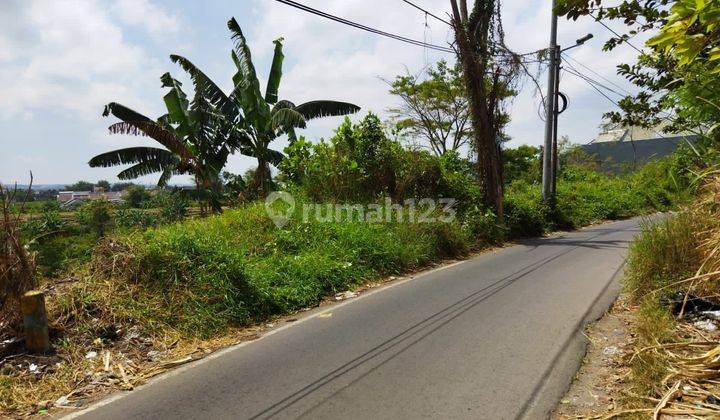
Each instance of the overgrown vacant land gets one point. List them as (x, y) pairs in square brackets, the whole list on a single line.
[(148, 297), (137, 288)]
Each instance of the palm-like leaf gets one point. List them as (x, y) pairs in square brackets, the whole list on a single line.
[(148, 167), (253, 103), (136, 124), (319, 109), (271, 93), (274, 157), (202, 82), (177, 104), (287, 118), (282, 104), (130, 155)]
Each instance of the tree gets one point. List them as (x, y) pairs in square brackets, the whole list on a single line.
[(522, 163), (434, 109), (256, 119), (80, 186), (489, 70), (105, 185), (136, 195), (676, 70), (195, 138), (121, 186)]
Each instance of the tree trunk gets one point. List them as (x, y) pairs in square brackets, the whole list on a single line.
[(485, 135)]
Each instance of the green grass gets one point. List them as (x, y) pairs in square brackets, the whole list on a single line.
[(202, 275), (665, 252)]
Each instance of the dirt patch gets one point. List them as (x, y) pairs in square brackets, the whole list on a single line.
[(596, 389)]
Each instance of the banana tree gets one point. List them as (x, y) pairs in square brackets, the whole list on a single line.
[(257, 119), (193, 134)]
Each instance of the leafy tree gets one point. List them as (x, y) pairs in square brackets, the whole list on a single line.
[(434, 109), (121, 186), (136, 195), (105, 185), (256, 119), (677, 70), (80, 186), (522, 163)]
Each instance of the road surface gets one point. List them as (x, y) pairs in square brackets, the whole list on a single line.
[(497, 336)]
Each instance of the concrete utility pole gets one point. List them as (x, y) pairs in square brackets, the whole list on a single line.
[(550, 98)]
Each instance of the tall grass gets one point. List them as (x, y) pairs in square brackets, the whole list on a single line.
[(200, 276)]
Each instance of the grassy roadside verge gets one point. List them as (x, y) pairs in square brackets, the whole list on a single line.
[(150, 299), (665, 362)]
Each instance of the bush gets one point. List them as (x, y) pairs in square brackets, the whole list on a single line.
[(136, 196), (135, 218), (361, 164), (95, 217), (173, 206), (665, 252), (201, 275), (525, 213)]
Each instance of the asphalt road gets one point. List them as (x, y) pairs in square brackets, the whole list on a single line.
[(497, 336)]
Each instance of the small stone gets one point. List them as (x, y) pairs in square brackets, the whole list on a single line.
[(610, 351), (91, 355)]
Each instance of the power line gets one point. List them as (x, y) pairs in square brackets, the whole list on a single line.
[(593, 80), (427, 13), (588, 68), (592, 84), (619, 36), (363, 27)]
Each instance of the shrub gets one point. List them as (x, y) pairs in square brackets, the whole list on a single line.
[(136, 196), (95, 216), (525, 213), (135, 218), (665, 252)]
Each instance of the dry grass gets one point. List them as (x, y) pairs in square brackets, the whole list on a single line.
[(675, 368)]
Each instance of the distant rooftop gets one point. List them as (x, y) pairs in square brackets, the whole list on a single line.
[(616, 133)]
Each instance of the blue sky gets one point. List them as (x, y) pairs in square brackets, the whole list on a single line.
[(62, 60)]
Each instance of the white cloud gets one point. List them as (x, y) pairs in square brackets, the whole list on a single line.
[(142, 13), (69, 57)]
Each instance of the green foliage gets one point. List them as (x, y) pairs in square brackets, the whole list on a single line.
[(136, 196), (172, 204), (361, 164), (666, 251), (691, 30), (585, 197), (525, 212), (135, 218), (95, 216), (202, 275), (63, 251), (46, 223), (105, 185), (80, 186), (522, 163)]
